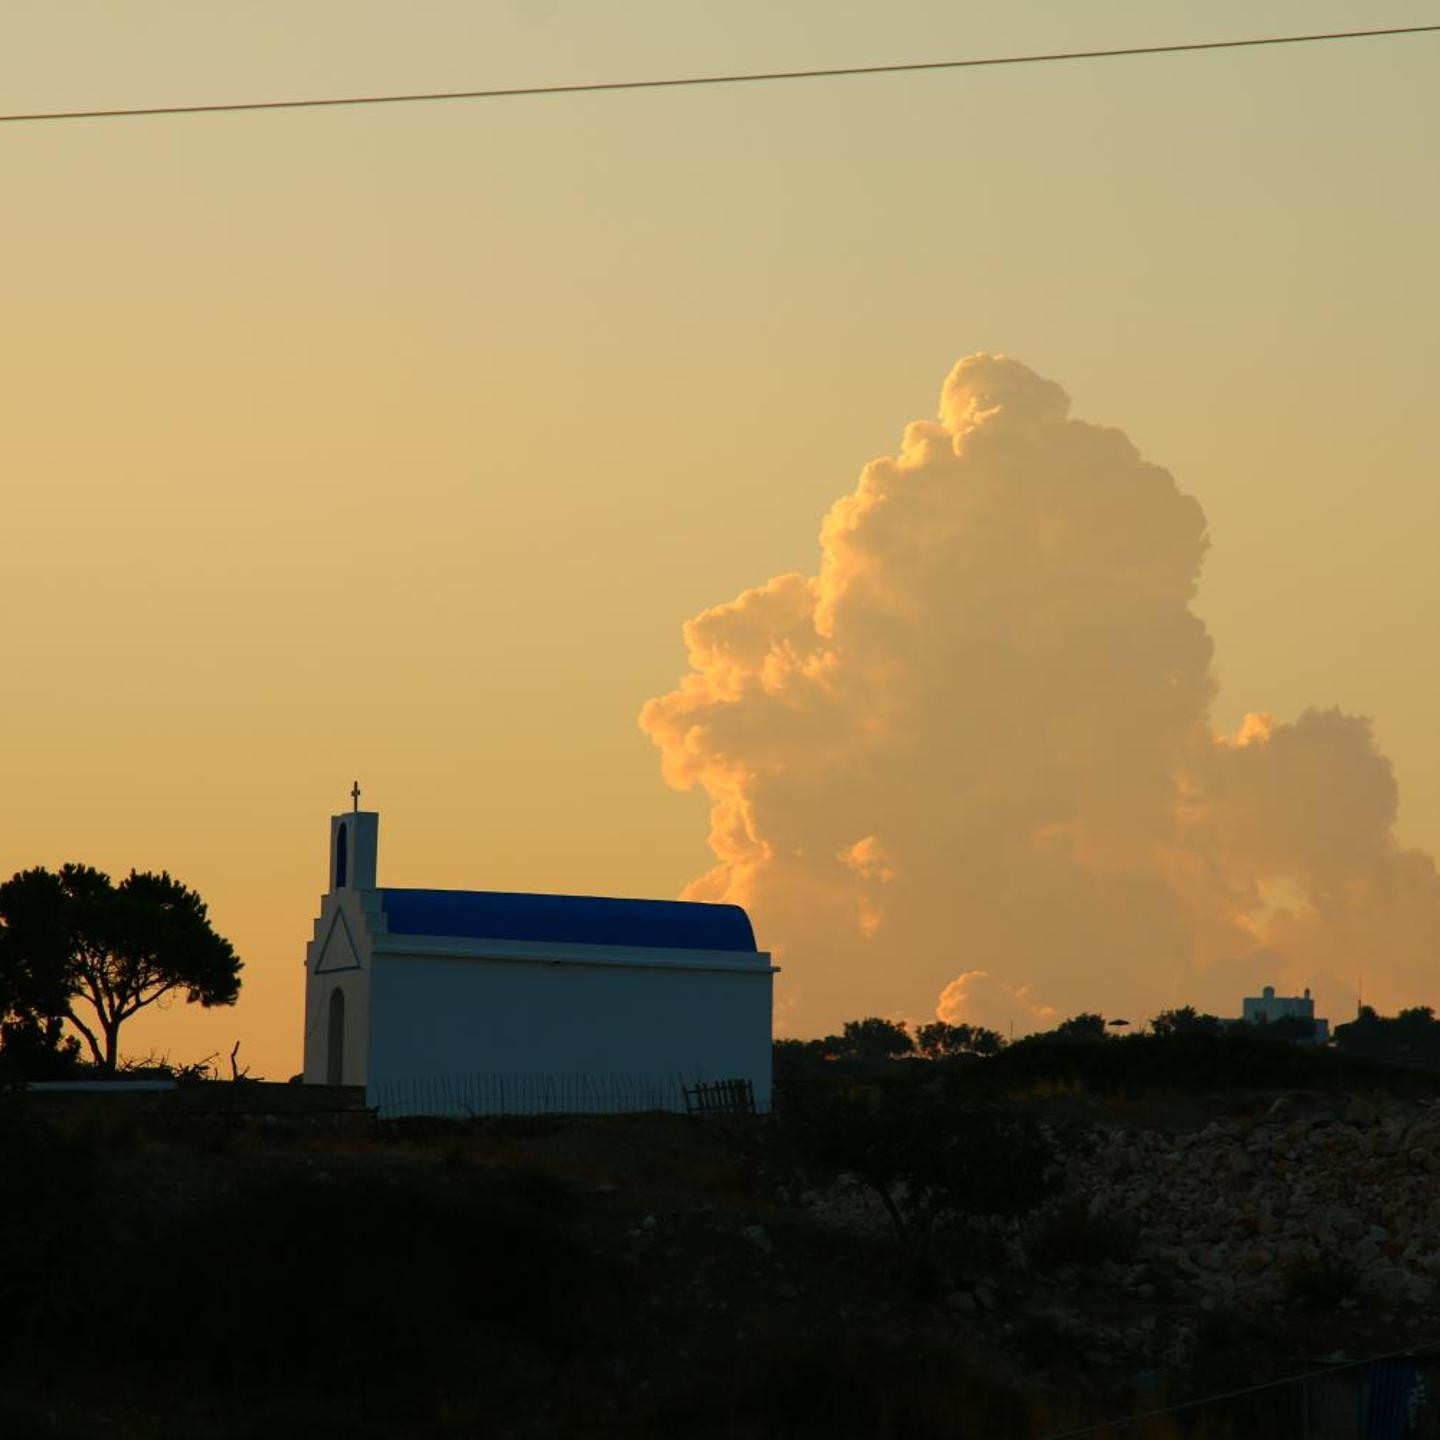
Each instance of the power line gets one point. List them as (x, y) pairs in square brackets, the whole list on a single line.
[(691, 81), (1102, 1425)]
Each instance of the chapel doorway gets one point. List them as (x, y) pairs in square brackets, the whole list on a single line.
[(335, 1049)]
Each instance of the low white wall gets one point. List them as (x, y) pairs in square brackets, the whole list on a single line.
[(433, 1018)]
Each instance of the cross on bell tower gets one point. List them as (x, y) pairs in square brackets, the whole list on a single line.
[(353, 843)]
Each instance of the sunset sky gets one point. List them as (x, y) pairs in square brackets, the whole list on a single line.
[(399, 443)]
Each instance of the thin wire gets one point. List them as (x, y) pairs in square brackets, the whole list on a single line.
[(1099, 1425), (678, 82)]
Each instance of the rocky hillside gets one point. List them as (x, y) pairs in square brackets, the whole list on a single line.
[(570, 1276), (1262, 1210), (1198, 1244)]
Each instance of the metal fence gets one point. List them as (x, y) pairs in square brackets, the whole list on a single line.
[(530, 1094), (720, 1097)]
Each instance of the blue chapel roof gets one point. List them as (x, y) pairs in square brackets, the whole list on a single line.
[(568, 919)]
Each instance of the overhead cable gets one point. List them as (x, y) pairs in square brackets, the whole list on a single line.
[(1205, 1401), (756, 77)]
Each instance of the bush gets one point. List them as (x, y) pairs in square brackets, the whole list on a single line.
[(1194, 1062), (941, 1041), (466, 1283), (1322, 1283), (51, 1234), (435, 1271), (1071, 1235), (930, 1151), (32, 1049)]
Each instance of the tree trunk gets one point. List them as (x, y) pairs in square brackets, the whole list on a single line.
[(89, 1035), (891, 1209), (112, 1041)]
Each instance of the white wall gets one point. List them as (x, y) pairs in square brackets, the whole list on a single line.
[(460, 1017), (339, 958), (1255, 1008)]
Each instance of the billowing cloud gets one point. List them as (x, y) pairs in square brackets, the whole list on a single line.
[(970, 764), (978, 998)]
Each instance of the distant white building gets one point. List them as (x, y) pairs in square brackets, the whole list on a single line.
[(476, 1001), (1267, 1007)]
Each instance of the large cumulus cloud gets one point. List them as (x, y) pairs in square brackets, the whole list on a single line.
[(969, 766)]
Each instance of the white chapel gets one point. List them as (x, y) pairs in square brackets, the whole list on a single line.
[(476, 1001)]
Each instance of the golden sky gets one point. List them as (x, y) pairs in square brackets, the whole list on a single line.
[(400, 442)]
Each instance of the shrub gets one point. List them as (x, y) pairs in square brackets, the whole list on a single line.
[(51, 1234), (928, 1150), (1322, 1283), (1070, 1235)]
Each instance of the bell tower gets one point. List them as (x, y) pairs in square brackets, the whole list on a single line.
[(354, 840)]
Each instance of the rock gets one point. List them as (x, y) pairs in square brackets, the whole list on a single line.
[(1344, 1222), (1225, 1210), (1425, 1133), (1256, 1257), (962, 1302), (1393, 1284), (758, 1237), (1217, 1257)]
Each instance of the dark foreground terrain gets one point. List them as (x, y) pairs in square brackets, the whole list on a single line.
[(199, 1274)]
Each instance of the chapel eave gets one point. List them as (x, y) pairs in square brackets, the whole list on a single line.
[(502, 949)]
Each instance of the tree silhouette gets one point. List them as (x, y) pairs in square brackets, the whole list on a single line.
[(1289, 1027), (939, 1040), (874, 1039), (1410, 1038), (1186, 1021), (34, 947), (1084, 1027), (75, 938), (930, 1153)]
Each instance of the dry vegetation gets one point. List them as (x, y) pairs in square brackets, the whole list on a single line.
[(169, 1275)]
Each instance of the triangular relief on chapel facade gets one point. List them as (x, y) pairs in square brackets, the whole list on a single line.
[(337, 950)]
